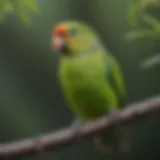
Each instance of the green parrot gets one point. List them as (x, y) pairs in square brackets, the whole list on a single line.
[(91, 79)]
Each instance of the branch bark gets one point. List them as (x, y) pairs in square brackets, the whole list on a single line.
[(54, 140)]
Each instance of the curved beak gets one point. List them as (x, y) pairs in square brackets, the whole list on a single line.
[(58, 43)]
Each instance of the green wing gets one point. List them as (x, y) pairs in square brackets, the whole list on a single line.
[(115, 78)]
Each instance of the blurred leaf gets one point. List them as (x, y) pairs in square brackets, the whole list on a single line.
[(146, 33), (133, 12), (3, 3), (5, 8), (150, 3), (22, 8), (142, 33), (150, 20), (137, 7), (32, 5), (151, 62), (21, 11)]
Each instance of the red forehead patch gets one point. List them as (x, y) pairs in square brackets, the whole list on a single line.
[(60, 30)]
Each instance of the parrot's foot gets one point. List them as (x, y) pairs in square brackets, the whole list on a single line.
[(122, 137), (122, 133), (76, 126), (119, 143)]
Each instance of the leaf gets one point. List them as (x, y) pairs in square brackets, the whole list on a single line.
[(142, 33), (31, 5), (5, 9), (151, 62), (150, 3), (21, 12), (3, 3), (23, 8), (133, 13), (150, 20)]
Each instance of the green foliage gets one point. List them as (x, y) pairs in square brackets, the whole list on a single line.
[(137, 13), (138, 7), (150, 62), (22, 9), (152, 32)]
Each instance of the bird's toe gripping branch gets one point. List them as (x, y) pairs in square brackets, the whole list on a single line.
[(76, 126)]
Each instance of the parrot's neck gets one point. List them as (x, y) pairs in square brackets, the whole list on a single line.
[(93, 47)]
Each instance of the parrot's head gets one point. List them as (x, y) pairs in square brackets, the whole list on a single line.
[(72, 38)]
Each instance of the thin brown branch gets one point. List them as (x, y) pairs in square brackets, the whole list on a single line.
[(54, 140)]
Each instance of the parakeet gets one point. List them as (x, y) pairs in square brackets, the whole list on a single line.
[(90, 77)]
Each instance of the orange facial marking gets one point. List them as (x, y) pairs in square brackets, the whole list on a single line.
[(60, 30)]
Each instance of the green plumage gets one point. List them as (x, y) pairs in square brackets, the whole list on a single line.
[(88, 84), (89, 75)]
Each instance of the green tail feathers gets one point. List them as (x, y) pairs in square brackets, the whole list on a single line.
[(115, 140)]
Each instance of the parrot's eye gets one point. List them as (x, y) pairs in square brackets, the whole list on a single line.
[(73, 31)]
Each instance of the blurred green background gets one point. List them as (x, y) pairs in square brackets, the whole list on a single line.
[(31, 100)]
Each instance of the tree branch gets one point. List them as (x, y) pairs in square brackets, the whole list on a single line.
[(54, 140)]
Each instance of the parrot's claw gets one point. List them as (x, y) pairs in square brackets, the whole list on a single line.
[(76, 126), (125, 142)]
